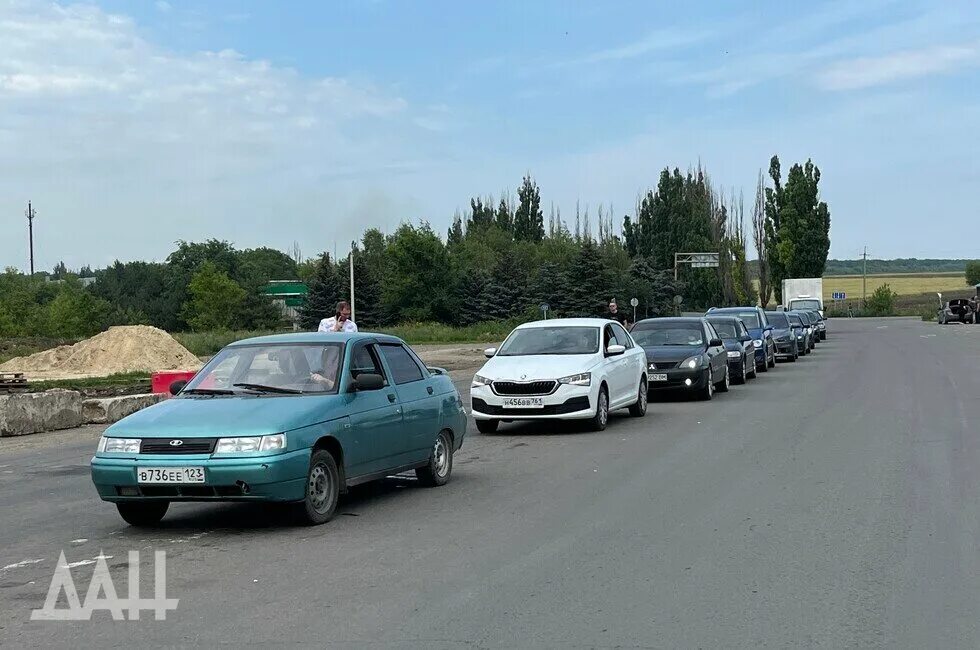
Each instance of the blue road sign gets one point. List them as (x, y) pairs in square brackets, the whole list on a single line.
[(840, 295)]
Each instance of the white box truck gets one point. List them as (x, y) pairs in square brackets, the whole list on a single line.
[(803, 293)]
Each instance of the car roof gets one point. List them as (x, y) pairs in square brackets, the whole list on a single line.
[(671, 319), (731, 310), (566, 322), (314, 338), (728, 318)]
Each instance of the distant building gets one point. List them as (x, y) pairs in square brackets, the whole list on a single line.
[(289, 296)]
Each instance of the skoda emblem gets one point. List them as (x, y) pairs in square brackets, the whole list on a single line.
[(523, 376), (176, 443)]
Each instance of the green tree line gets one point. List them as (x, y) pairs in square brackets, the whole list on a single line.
[(502, 259)]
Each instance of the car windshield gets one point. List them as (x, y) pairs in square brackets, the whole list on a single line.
[(795, 320), (778, 319), (751, 319), (651, 334), (804, 304), (278, 369), (551, 340), (725, 328), (805, 319)]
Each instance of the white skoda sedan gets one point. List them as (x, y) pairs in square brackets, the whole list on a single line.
[(567, 368)]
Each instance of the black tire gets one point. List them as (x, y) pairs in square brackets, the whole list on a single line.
[(726, 382), (322, 490), (772, 360), (487, 426), (755, 370), (742, 375), (765, 365), (639, 409), (601, 417), (440, 467), (709, 387), (794, 357), (142, 514)]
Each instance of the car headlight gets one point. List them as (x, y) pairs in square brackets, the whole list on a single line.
[(734, 354), (799, 337), (758, 343), (480, 381), (119, 445), (581, 379), (248, 444), (693, 362)]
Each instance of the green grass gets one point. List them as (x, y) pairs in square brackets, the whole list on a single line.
[(112, 381)]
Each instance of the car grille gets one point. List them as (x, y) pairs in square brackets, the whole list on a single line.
[(186, 446), (664, 365), (525, 388), (569, 406)]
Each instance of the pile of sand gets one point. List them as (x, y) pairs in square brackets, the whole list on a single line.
[(131, 348)]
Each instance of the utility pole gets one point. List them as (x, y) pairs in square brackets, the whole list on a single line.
[(31, 213), (353, 245), (864, 281)]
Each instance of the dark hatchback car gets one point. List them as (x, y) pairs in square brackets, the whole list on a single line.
[(739, 346), (810, 328), (683, 354), (800, 333), (819, 325), (760, 329), (784, 335), (956, 311)]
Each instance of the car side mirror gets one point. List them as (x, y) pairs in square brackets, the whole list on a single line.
[(745, 338), (769, 328), (177, 386), (489, 353), (716, 343), (615, 350), (368, 381)]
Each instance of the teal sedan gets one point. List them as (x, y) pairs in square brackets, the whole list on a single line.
[(296, 419)]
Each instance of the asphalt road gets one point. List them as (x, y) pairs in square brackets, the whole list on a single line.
[(830, 503)]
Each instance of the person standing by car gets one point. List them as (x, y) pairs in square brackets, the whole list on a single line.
[(618, 316), (341, 322)]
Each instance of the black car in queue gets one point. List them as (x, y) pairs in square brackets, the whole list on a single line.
[(800, 333), (683, 354), (819, 325), (809, 327), (784, 336), (739, 347)]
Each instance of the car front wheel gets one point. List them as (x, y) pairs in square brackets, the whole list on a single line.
[(709, 386), (322, 489), (639, 408), (440, 466), (142, 513), (601, 417)]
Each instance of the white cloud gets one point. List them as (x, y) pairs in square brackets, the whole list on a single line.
[(109, 133), (866, 72)]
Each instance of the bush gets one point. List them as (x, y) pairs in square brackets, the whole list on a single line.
[(973, 272), (881, 302)]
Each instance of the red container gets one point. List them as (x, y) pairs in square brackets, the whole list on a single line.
[(160, 381)]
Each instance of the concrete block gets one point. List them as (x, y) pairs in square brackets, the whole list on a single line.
[(26, 413), (112, 409)]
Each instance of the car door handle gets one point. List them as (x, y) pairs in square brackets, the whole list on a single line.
[(429, 389), (391, 397)]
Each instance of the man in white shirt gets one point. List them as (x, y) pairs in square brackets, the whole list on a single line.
[(339, 323)]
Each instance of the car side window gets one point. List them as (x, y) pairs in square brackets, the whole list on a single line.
[(404, 370), (709, 329), (621, 336), (609, 337), (364, 361)]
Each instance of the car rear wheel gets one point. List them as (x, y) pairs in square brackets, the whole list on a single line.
[(639, 408), (322, 489), (440, 466), (487, 426), (142, 513), (601, 417)]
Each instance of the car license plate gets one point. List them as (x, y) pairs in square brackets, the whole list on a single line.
[(170, 474), (523, 403), (657, 376)]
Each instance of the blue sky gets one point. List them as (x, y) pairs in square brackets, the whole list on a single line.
[(131, 125)]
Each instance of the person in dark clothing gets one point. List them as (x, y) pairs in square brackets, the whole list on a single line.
[(616, 315)]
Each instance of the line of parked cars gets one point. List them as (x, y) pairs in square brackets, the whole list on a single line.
[(298, 419), (581, 369)]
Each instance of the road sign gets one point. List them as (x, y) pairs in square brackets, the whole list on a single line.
[(840, 295), (634, 301)]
